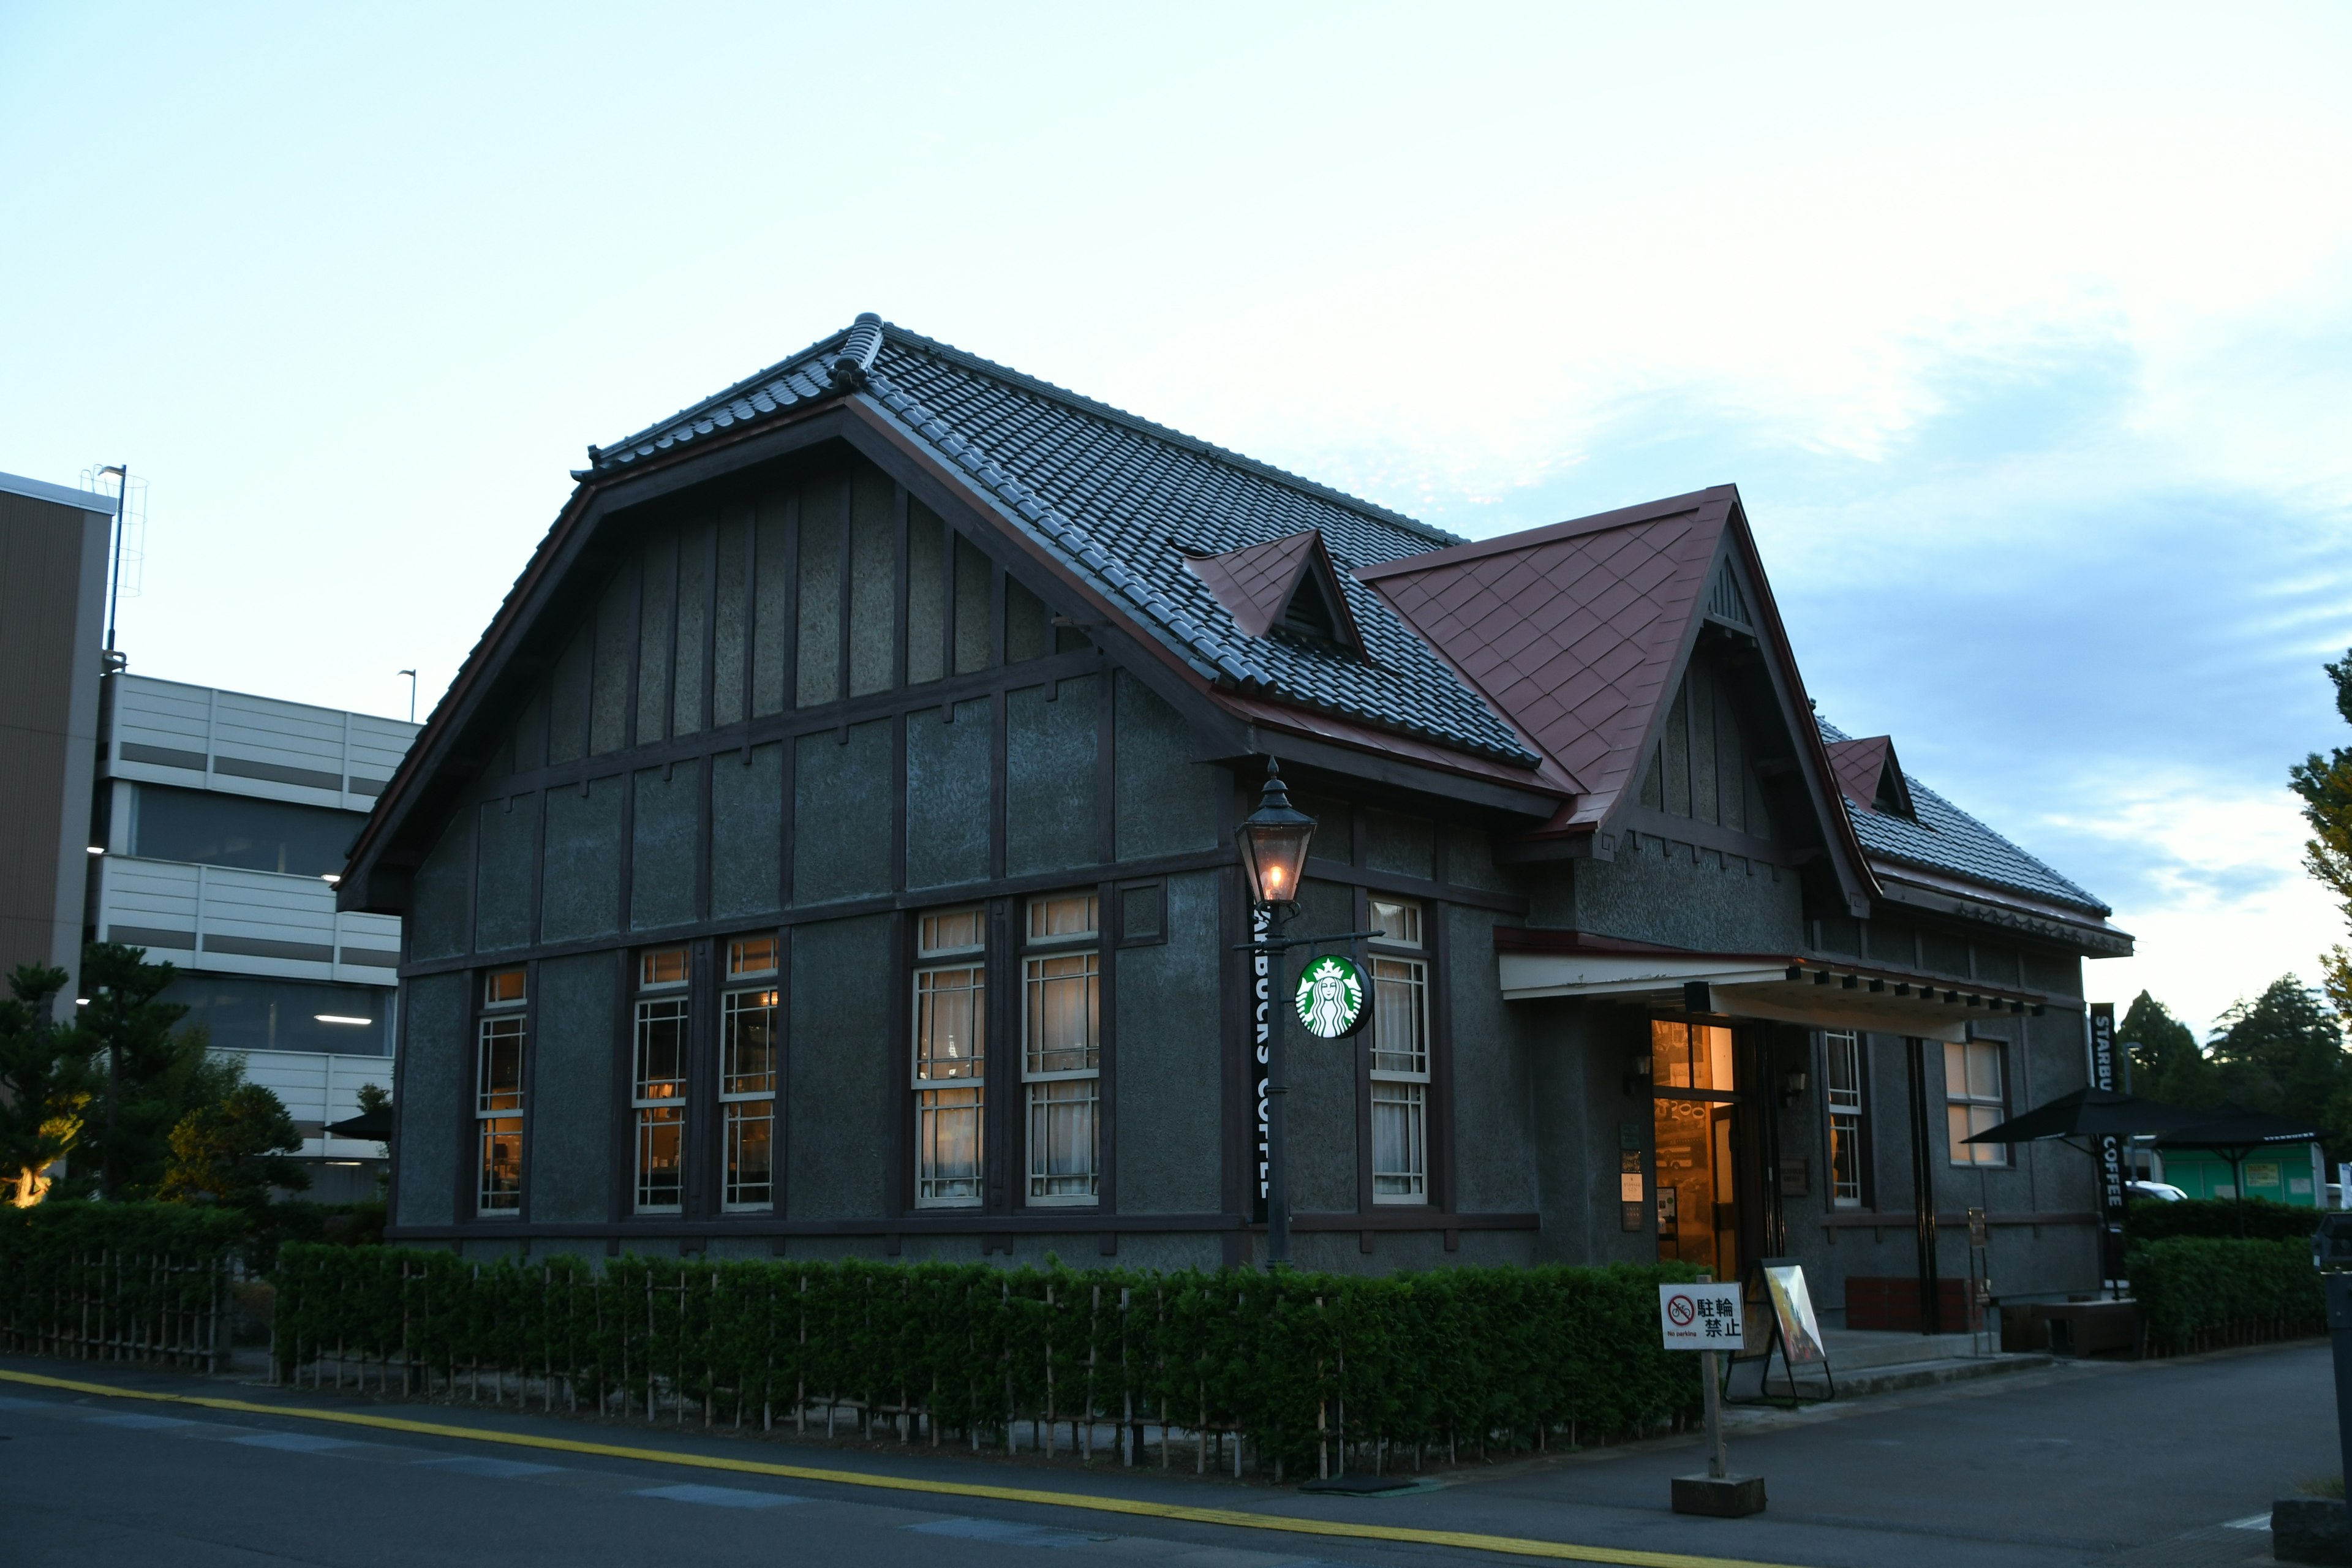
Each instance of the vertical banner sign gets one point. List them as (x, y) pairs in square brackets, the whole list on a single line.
[(2111, 1152), (1262, 993)]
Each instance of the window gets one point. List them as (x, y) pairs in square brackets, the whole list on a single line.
[(1841, 1083), (1974, 1099), (1400, 1058), (1061, 1055), (217, 829), (249, 1013), (497, 1095), (951, 1055), (746, 1075), (660, 1096)]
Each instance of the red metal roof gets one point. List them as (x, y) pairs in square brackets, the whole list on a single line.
[(1862, 764), (1573, 631)]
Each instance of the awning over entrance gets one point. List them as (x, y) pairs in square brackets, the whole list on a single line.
[(1817, 993)]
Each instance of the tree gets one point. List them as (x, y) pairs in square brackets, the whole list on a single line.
[(235, 1149), (44, 1085), (2159, 1045), (2326, 785), (157, 1075), (2283, 1052)]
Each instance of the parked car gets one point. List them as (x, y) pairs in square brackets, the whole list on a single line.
[(2161, 1191)]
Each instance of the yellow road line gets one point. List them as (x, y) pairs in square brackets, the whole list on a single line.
[(1468, 1541)]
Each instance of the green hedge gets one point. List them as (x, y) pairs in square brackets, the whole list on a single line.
[(2148, 1220), (2196, 1292), (116, 1281), (1464, 1357)]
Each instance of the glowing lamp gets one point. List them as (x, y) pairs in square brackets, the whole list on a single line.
[(1274, 840)]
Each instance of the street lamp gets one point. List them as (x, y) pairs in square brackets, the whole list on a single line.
[(1274, 840)]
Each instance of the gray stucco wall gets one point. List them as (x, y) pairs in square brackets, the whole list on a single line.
[(1165, 802), (1323, 1074), (747, 831), (437, 913), (841, 843), (949, 795), (1670, 893), (581, 886), (1493, 1164), (433, 1067), (1049, 786), (839, 1109), (571, 1150), (1169, 1038), (665, 834), (502, 875)]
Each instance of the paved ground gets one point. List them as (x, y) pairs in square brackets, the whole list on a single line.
[(2128, 1466)]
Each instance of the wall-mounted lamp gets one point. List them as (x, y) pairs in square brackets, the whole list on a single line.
[(1792, 1086), (1637, 1073)]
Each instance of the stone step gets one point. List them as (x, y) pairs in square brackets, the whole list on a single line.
[(1859, 1350), (1887, 1377)]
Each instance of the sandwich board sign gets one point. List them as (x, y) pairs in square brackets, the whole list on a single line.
[(1702, 1317)]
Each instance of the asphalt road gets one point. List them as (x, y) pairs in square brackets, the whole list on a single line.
[(2131, 1466)]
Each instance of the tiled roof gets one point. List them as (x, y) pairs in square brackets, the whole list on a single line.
[(1573, 631), (1122, 502), (1946, 838)]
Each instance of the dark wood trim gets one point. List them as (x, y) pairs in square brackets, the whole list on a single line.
[(708, 702), (1361, 1056), (1411, 1219), (1879, 1219), (1106, 1076), (1444, 1131)]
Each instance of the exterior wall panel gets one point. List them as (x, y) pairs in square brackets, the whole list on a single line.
[(570, 1126), (435, 1069)]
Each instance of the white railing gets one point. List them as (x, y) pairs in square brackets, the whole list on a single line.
[(241, 923)]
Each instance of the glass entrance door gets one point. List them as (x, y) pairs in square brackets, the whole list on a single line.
[(1695, 1086)]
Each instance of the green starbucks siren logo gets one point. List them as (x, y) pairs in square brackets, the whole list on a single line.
[(1335, 999)]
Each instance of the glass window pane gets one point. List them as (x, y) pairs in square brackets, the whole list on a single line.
[(1400, 1016), (1063, 915), (1669, 1062), (748, 1044), (1984, 1070), (950, 1023), (750, 1126), (1063, 1006), (667, 967), (210, 828), (1062, 1145), (1717, 1057), (499, 1086), (951, 930), (751, 955), (1956, 1069), (947, 1145), (501, 1167), (661, 1049), (660, 1170), (1399, 1151), (503, 988), (1400, 920)]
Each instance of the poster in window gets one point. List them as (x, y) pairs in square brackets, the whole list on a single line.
[(1792, 1305)]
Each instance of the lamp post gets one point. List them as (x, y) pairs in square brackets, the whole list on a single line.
[(1274, 840)]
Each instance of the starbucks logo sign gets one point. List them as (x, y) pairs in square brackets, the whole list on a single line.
[(1335, 997)]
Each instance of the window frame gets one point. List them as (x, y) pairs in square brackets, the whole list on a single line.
[(958, 1098), (1391, 1088), (660, 1000), (1856, 1115), (737, 1105), (1969, 1106), (504, 1015), (1043, 1089)]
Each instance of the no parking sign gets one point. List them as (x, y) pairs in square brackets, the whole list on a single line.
[(1701, 1317)]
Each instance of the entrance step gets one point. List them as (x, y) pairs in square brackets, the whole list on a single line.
[(1873, 1362)]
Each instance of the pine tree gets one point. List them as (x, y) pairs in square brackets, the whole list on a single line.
[(2326, 785), (159, 1072), (236, 1149), (44, 1085), (2161, 1046)]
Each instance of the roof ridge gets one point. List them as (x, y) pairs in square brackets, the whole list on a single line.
[(1545, 533), (1101, 410), (783, 366)]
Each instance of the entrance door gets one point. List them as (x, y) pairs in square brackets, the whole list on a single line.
[(1695, 1085)]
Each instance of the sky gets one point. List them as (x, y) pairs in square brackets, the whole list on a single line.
[(2022, 330)]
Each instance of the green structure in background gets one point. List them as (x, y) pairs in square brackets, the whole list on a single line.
[(2285, 1174)]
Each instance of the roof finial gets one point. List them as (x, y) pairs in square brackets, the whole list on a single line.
[(864, 341)]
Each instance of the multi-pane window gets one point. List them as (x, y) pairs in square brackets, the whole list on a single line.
[(1061, 1054), (497, 1094), (951, 1055), (1400, 1056), (747, 1072), (1974, 1099), (1841, 1086), (659, 1098)]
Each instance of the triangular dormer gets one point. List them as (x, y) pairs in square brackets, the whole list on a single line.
[(1286, 586), (1869, 776)]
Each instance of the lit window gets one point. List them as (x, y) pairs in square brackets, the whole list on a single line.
[(1841, 1082), (1400, 1069), (1061, 1058), (658, 1096), (951, 1058), (747, 1080), (1974, 1101), (498, 1095)]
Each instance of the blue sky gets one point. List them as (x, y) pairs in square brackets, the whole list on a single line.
[(2022, 330)]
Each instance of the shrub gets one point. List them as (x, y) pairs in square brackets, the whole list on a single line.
[(2263, 1220), (2196, 1291), (1450, 1358)]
